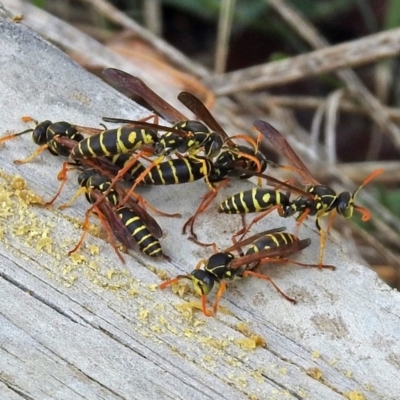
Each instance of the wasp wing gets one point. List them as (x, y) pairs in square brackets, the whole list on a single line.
[(137, 86), (274, 252), (253, 238), (197, 107), (283, 147)]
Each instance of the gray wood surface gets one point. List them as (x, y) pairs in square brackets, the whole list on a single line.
[(91, 327)]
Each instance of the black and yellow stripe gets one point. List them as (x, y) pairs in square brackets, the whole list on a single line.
[(148, 244), (121, 160), (180, 170), (46, 131), (92, 180), (270, 241), (114, 141), (253, 200), (324, 201)]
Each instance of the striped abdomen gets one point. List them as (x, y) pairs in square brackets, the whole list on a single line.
[(114, 141), (121, 160), (96, 181), (148, 244), (272, 240), (253, 200), (180, 170)]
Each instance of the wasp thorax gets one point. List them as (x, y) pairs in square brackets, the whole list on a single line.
[(214, 145), (192, 126)]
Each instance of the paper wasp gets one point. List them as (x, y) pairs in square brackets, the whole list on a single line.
[(131, 225), (44, 135), (270, 246), (195, 137), (318, 200)]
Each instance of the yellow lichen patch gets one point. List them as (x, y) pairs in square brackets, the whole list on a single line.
[(115, 274), (258, 375), (132, 291), (219, 344), (238, 380), (208, 359), (152, 287), (156, 329), (246, 343), (258, 340), (93, 266), (44, 244), (162, 274), (18, 183), (69, 281), (199, 322), (186, 309), (354, 395), (159, 307), (282, 371), (315, 373), (315, 355), (78, 258), (144, 314), (188, 332), (180, 288), (29, 197), (93, 249), (348, 374), (334, 361)]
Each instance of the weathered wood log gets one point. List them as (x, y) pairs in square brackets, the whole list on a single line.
[(89, 327)]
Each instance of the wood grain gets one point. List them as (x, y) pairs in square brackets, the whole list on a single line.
[(90, 327)]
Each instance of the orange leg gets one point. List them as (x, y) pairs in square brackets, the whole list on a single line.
[(110, 236), (244, 231), (221, 290), (32, 156), (85, 231), (139, 178), (204, 306), (202, 244), (288, 261), (62, 176), (267, 278), (79, 192), (323, 236), (206, 201), (120, 174), (145, 204)]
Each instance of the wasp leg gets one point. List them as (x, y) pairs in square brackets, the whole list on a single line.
[(205, 203), (267, 278)]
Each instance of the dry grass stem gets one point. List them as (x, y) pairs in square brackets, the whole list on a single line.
[(312, 102), (168, 51), (363, 95), (153, 16), (224, 31), (350, 54)]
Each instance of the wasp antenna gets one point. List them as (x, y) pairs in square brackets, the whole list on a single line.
[(173, 281), (368, 179), (365, 214)]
